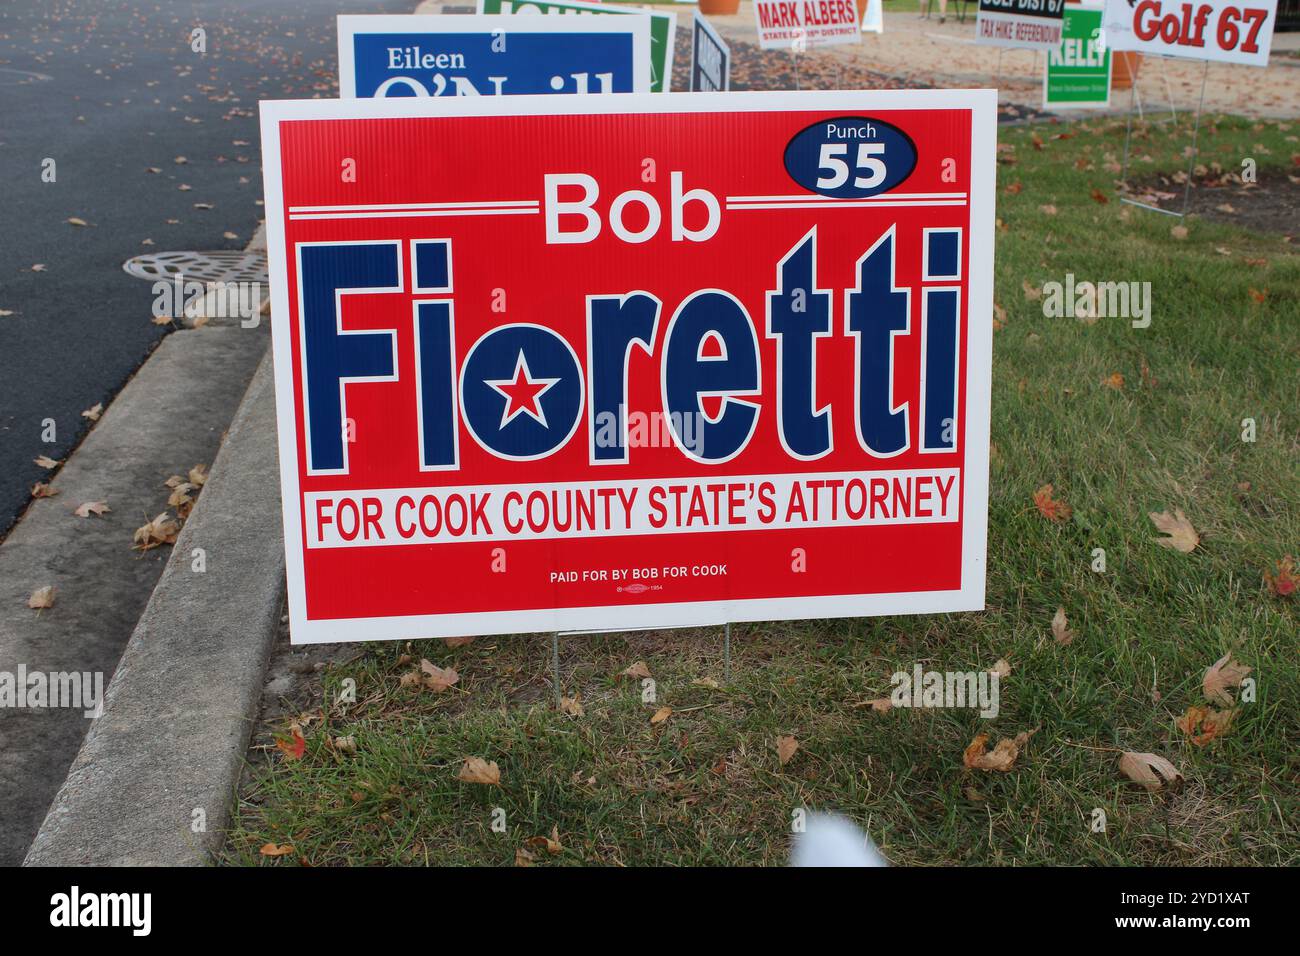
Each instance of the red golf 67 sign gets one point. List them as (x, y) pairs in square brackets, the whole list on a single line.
[(551, 363), (1226, 31)]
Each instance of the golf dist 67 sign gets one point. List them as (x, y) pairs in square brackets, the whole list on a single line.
[(550, 363)]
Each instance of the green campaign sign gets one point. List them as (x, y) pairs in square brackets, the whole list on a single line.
[(663, 27), (1078, 71)]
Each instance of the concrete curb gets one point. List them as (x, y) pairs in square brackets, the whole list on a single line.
[(156, 776), (168, 418)]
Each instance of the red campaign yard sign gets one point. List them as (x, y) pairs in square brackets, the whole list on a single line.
[(549, 363)]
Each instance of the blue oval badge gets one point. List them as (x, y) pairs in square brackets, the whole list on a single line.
[(850, 157)]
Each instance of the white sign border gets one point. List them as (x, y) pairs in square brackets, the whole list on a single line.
[(982, 105), (350, 24)]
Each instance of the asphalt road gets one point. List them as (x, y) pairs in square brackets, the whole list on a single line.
[(110, 90)]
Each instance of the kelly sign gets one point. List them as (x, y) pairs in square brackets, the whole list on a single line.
[(393, 56), (1226, 31), (553, 362), (1031, 24), (710, 59), (663, 27), (800, 24), (1077, 74)]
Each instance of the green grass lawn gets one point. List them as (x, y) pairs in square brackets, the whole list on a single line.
[(706, 786)]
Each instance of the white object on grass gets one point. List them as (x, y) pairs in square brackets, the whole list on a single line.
[(831, 840)]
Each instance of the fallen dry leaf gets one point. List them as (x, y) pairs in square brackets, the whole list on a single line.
[(1052, 509), (1032, 292), (163, 529), (199, 476), (708, 682), (786, 748), (1150, 770), (1220, 677), (276, 849), (881, 705), (344, 745), (1099, 197), (1061, 629), (88, 508), (1002, 757), (1178, 232), (1114, 380), (94, 411), (46, 462), (41, 598), (551, 844), (457, 641), (1047, 209), (1203, 724), (660, 715), (1002, 668), (436, 678), (180, 496), (295, 745), (74, 221), (1284, 583), (478, 770), (42, 490), (572, 706), (523, 857), (637, 670), (1182, 536)]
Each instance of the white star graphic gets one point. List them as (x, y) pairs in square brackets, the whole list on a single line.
[(530, 402)]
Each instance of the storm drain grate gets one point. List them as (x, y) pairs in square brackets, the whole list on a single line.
[(218, 266)]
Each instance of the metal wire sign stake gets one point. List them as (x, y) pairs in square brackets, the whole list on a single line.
[(1222, 31), (1191, 158)]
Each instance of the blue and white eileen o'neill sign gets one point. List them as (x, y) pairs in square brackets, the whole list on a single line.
[(483, 55)]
